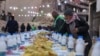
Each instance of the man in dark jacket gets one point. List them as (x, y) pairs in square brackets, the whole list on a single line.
[(77, 26), (22, 28), (12, 26), (28, 27), (58, 22)]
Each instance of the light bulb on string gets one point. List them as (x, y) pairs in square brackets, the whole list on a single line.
[(43, 6), (42, 11), (21, 10), (25, 8), (59, 3), (32, 7), (74, 9), (19, 15), (65, 2), (49, 15), (14, 8), (35, 7), (48, 5), (40, 6), (10, 7), (25, 15)]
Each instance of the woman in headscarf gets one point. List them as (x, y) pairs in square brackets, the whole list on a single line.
[(77, 26)]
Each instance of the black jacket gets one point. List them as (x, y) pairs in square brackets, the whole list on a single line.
[(22, 28), (12, 26), (28, 27), (82, 26), (58, 27)]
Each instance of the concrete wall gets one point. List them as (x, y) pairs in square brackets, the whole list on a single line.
[(98, 5), (20, 4)]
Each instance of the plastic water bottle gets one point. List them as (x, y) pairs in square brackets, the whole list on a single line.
[(96, 48), (80, 46), (14, 40), (18, 40), (54, 36), (10, 42), (70, 43), (59, 38), (25, 35), (3, 47), (28, 35), (22, 38), (64, 40), (3, 38)]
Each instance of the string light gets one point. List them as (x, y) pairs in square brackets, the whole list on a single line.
[(74, 9), (42, 11), (25, 8), (84, 10), (32, 7), (21, 10), (71, 0), (10, 7), (19, 15), (65, 2), (14, 8), (43, 6), (48, 5), (35, 7), (32, 12), (25, 15), (59, 3), (49, 15)]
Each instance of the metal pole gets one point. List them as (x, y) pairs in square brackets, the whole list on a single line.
[(99, 30), (90, 20), (5, 6)]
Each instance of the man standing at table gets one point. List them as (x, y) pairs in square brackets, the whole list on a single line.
[(58, 22), (76, 26)]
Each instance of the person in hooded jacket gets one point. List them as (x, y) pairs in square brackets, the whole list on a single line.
[(28, 27), (76, 26), (22, 28), (12, 26)]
